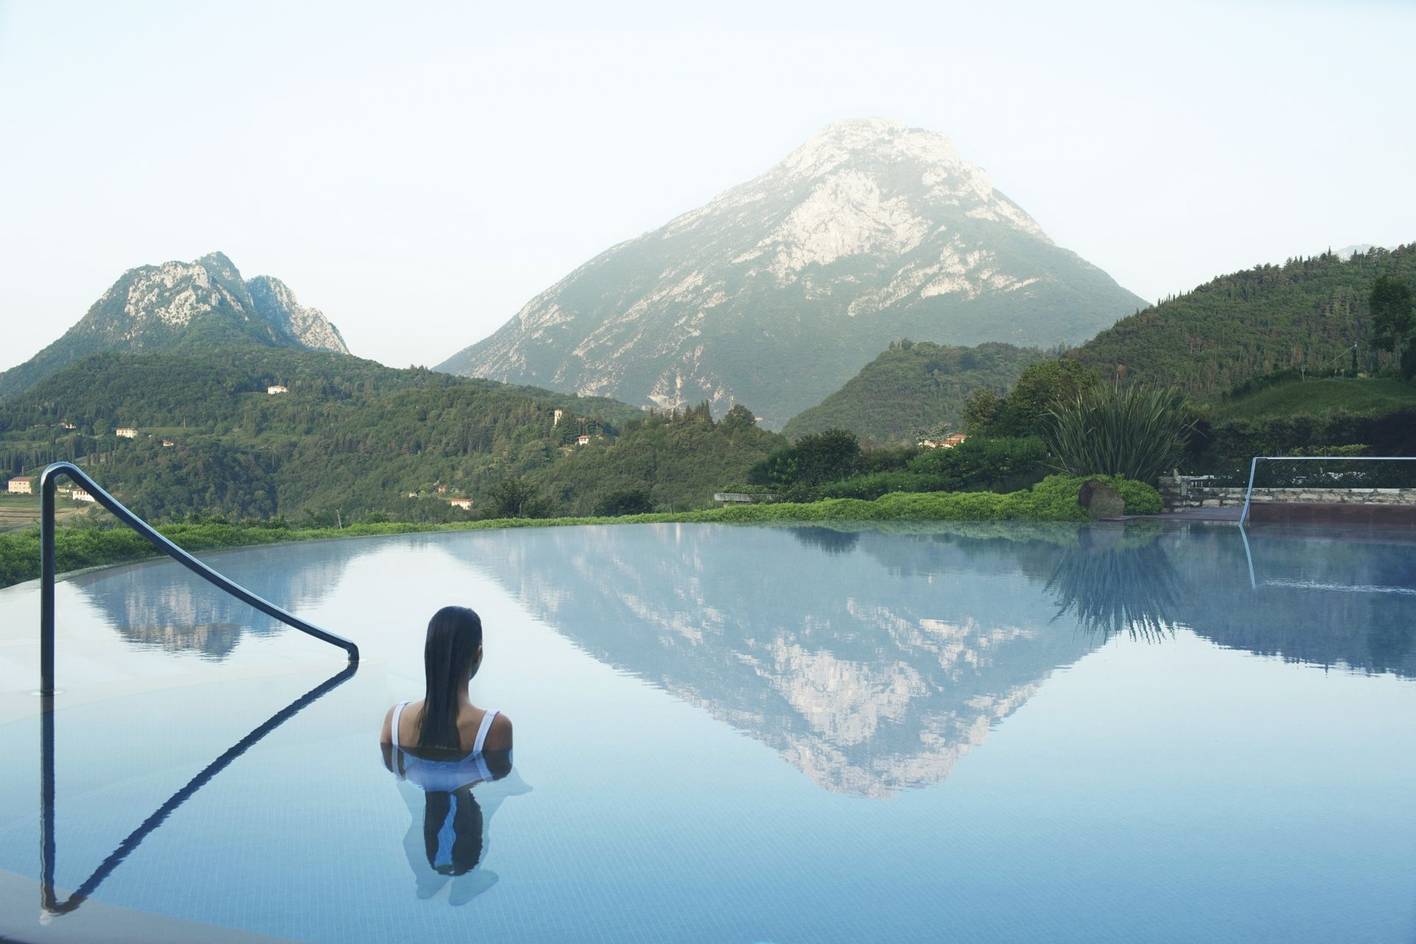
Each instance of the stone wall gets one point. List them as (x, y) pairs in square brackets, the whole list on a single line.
[(1192, 491)]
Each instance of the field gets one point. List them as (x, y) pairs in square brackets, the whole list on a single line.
[(1321, 396), (18, 512)]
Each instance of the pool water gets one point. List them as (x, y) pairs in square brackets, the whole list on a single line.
[(967, 733)]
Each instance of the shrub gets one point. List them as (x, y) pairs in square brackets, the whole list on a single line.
[(628, 501), (1119, 429), (995, 464), (812, 460)]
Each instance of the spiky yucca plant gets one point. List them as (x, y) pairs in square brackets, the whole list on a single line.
[(1119, 429)]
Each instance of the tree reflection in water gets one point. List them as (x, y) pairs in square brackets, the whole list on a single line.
[(1114, 580)]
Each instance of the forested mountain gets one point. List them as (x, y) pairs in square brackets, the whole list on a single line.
[(778, 291), (1306, 313), (352, 438), (914, 388), (183, 305)]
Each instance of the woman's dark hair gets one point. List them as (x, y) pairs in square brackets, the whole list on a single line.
[(454, 636)]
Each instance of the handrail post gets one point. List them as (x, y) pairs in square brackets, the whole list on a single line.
[(46, 581), (1249, 492)]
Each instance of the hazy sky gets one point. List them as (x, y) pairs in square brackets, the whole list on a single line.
[(419, 171)]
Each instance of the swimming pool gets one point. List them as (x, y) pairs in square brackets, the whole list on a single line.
[(967, 733)]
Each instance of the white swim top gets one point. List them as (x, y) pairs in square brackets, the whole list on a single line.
[(482, 728), (445, 775)]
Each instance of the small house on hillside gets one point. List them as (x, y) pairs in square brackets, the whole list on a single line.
[(274, 389), (20, 487), (464, 503), (126, 432), (68, 426), (582, 440), (79, 494), (948, 442), (168, 443)]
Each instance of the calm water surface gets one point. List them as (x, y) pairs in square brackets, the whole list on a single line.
[(988, 733)]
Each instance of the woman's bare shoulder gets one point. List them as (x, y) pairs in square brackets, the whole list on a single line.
[(499, 734)]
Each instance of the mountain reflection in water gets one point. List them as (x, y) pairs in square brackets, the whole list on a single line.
[(870, 658)]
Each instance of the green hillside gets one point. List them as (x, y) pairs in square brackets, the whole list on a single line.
[(913, 388), (1320, 396), (351, 438), (1306, 313)]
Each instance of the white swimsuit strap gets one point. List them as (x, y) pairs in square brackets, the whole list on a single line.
[(482, 730), (397, 714)]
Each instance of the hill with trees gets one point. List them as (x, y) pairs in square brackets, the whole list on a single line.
[(352, 439), (912, 389), (1311, 315)]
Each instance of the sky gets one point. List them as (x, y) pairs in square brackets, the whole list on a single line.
[(420, 171)]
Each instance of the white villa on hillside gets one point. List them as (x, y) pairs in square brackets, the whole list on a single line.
[(948, 442), (78, 494), (20, 487), (127, 432), (464, 503), (582, 440), (273, 389)]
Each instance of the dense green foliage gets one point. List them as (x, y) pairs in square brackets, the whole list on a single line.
[(353, 440), (678, 460), (999, 464), (1308, 314), (1024, 410), (914, 389), (812, 460), (1119, 429), (1053, 499), (1288, 394), (1228, 445), (1394, 322)]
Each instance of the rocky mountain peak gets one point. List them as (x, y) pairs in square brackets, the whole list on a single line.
[(778, 290), (202, 302), (275, 302)]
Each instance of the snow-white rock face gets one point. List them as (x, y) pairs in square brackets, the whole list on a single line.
[(778, 290), (203, 302)]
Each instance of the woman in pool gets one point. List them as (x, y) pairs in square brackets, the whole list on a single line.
[(445, 745), (445, 724)]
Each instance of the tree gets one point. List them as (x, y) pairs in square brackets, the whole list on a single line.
[(981, 409), (1040, 387), (738, 418), (514, 497), (1392, 322)]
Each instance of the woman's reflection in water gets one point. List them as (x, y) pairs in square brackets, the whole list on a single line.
[(448, 837)]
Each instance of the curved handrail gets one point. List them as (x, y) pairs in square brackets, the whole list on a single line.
[(47, 483)]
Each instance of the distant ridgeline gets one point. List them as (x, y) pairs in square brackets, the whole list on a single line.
[(1305, 314), (183, 306), (912, 389), (354, 438)]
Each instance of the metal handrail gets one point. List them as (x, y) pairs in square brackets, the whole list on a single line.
[(47, 483), (1254, 465)]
